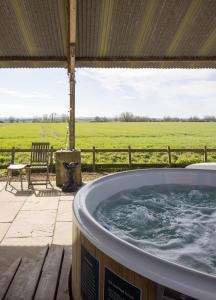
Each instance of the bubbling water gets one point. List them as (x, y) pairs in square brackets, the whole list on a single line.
[(174, 222)]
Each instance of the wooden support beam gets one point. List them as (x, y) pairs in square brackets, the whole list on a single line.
[(72, 111), (39, 59), (71, 70), (151, 59), (142, 62)]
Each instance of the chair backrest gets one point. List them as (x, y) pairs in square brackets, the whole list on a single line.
[(40, 153)]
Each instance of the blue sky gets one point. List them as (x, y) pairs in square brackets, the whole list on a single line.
[(149, 92)]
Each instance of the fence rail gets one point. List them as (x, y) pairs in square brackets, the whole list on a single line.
[(94, 165)]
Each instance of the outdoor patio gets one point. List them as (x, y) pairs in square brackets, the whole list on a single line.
[(31, 220)]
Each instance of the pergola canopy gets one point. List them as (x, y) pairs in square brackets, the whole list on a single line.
[(109, 33)]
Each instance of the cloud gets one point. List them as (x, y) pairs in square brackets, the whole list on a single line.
[(24, 95), (158, 92), (142, 80), (30, 110), (150, 92)]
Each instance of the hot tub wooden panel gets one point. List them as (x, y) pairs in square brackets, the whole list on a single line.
[(147, 287)]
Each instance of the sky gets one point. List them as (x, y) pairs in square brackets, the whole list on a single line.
[(109, 92)]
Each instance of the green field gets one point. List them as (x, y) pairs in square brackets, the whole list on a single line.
[(114, 135)]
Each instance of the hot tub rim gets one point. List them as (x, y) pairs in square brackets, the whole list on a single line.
[(99, 236)]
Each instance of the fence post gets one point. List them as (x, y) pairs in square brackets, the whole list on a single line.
[(13, 156), (51, 158), (129, 157), (93, 158), (169, 156), (205, 154)]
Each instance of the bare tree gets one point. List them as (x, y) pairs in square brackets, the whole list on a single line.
[(126, 117)]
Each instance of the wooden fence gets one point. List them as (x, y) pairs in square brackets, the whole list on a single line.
[(94, 165)]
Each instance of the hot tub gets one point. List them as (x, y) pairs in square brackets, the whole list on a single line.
[(105, 266)]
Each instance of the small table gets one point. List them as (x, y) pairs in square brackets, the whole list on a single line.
[(11, 168)]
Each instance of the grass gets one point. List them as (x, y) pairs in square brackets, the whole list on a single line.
[(114, 135)]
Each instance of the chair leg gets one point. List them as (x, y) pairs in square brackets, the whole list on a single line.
[(47, 176), (29, 178)]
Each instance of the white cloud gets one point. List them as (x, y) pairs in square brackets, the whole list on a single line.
[(23, 95), (144, 80), (31, 110), (150, 92), (158, 92)]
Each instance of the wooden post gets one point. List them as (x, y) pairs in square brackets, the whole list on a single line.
[(205, 154), (72, 112), (13, 156), (71, 70), (169, 156), (93, 158), (51, 159), (129, 156)]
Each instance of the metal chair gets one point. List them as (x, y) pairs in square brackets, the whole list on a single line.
[(39, 161)]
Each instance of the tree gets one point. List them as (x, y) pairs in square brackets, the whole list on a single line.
[(126, 117), (53, 117), (64, 118), (11, 119), (101, 119), (45, 118)]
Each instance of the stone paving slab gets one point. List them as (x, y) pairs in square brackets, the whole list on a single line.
[(35, 217), (9, 210), (64, 211), (33, 224), (13, 197), (40, 203), (16, 185), (63, 233), (32, 241), (2, 185), (66, 197), (3, 229)]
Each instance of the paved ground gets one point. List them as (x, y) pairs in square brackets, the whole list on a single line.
[(35, 218), (31, 220)]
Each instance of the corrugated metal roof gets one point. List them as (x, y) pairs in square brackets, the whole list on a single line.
[(33, 30), (113, 33), (110, 33)]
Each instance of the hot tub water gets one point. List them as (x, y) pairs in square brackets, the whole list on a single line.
[(171, 221)]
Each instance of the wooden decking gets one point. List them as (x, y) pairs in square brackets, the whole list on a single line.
[(46, 277)]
